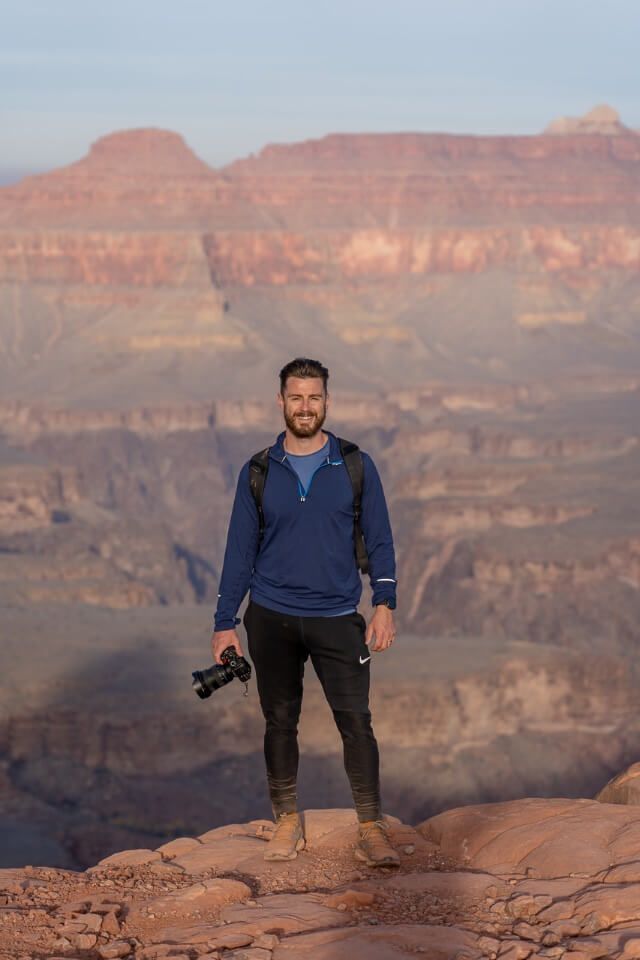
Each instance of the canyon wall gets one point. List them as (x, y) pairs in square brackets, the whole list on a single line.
[(490, 258), (103, 744), (477, 300)]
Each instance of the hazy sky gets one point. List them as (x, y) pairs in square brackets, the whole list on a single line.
[(232, 75)]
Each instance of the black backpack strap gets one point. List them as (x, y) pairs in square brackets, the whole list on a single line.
[(258, 467), (355, 468)]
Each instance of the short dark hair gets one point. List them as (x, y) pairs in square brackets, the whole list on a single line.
[(303, 367)]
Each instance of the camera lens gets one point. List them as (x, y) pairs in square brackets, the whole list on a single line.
[(206, 681)]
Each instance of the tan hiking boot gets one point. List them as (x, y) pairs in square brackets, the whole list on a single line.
[(287, 838), (373, 845)]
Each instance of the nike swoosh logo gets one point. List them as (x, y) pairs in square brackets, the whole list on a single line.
[(365, 659)]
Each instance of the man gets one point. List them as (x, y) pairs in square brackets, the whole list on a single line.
[(304, 591)]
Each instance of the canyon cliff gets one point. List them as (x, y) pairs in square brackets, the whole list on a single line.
[(140, 274), (477, 300)]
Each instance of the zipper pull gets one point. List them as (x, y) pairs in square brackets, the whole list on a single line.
[(302, 499)]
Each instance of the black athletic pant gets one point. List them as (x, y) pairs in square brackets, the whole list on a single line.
[(279, 645)]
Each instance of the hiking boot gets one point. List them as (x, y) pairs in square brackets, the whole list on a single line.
[(287, 838), (373, 845)]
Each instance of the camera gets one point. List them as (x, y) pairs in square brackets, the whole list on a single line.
[(233, 665)]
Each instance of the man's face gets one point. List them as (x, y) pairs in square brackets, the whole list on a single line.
[(304, 405)]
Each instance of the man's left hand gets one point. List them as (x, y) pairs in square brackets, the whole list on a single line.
[(381, 631)]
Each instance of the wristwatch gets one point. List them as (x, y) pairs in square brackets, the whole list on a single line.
[(391, 604)]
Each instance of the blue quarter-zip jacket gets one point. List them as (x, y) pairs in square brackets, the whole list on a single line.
[(306, 563)]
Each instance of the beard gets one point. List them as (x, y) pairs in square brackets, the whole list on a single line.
[(305, 428)]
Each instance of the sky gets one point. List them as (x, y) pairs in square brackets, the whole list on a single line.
[(234, 75)]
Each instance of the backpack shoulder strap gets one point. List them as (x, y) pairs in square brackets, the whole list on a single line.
[(258, 468), (352, 457)]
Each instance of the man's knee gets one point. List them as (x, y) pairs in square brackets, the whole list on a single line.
[(283, 716), (353, 725)]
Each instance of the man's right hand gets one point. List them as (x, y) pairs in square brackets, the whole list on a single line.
[(221, 639)]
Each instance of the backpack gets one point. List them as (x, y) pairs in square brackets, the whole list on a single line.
[(259, 465)]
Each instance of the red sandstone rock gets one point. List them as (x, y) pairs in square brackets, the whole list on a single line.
[(234, 853), (351, 898), (287, 913), (207, 895), (382, 943), (516, 951), (111, 925), (266, 941), (128, 858), (173, 849), (498, 912), (229, 940), (552, 838), (623, 788), (250, 953), (84, 941), (118, 948), (631, 947)]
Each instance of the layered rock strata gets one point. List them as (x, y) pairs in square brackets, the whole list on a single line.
[(140, 259)]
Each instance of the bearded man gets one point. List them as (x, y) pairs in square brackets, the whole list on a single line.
[(297, 557)]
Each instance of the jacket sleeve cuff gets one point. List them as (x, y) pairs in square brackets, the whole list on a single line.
[(383, 590), (226, 623)]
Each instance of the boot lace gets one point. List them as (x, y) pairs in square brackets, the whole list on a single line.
[(376, 830), (286, 826)]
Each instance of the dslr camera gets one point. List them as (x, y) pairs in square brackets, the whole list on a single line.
[(233, 665)]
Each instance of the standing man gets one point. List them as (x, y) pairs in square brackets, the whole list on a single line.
[(300, 566)]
